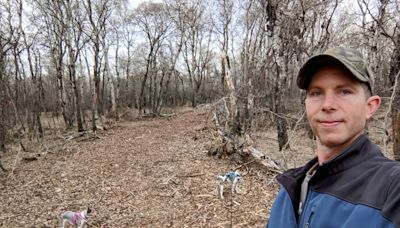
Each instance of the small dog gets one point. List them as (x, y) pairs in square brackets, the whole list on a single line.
[(231, 177), (78, 218)]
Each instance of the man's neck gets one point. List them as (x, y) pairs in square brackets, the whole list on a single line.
[(325, 153)]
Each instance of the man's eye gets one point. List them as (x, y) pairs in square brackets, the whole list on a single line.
[(345, 91), (314, 93)]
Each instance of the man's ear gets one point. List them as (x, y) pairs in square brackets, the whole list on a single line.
[(373, 104)]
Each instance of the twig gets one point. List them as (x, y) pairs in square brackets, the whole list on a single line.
[(215, 118), (15, 163), (287, 145), (245, 164), (295, 127), (22, 146), (1, 167), (167, 115), (278, 114), (191, 175), (276, 171), (169, 160)]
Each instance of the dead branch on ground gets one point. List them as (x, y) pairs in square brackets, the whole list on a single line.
[(231, 138)]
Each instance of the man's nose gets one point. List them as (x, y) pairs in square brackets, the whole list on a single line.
[(329, 103)]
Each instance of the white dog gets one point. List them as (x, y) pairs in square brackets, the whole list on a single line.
[(78, 218), (233, 178)]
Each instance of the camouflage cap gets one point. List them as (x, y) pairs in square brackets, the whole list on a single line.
[(349, 58)]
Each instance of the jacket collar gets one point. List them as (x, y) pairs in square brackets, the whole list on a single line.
[(348, 158), (342, 161)]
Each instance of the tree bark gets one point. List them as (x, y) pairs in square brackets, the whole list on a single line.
[(3, 131), (234, 123), (113, 110), (396, 118), (77, 93), (396, 134), (33, 69), (97, 21)]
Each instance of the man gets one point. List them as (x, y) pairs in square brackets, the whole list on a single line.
[(349, 184)]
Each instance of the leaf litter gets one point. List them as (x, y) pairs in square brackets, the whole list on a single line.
[(152, 172)]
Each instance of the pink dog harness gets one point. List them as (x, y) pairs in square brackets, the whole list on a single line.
[(76, 216)]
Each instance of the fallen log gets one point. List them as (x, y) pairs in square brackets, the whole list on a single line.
[(238, 144), (264, 160)]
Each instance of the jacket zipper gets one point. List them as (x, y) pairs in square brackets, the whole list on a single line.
[(309, 220), (303, 209)]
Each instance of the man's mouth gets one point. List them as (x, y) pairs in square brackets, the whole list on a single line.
[(330, 123)]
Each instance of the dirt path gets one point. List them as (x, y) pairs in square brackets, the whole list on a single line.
[(147, 173)]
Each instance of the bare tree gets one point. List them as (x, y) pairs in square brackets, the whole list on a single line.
[(34, 66), (196, 48), (106, 43), (152, 21), (75, 42), (98, 12), (128, 33), (387, 26), (123, 35), (6, 35), (55, 31)]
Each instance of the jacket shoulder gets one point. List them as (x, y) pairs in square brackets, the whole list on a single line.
[(391, 207)]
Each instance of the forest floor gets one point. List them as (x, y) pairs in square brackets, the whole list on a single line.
[(152, 172)]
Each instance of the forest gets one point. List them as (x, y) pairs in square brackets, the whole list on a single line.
[(84, 60), (80, 66)]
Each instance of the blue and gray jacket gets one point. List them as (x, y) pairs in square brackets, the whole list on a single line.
[(358, 188)]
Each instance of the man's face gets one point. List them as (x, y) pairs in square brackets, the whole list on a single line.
[(337, 107)]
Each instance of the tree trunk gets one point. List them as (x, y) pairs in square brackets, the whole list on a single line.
[(96, 86), (395, 74), (116, 90), (146, 74), (278, 102), (113, 111), (234, 123), (396, 118), (3, 131), (249, 109), (396, 135), (77, 93), (36, 86), (193, 95), (38, 101), (96, 90), (61, 97)]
